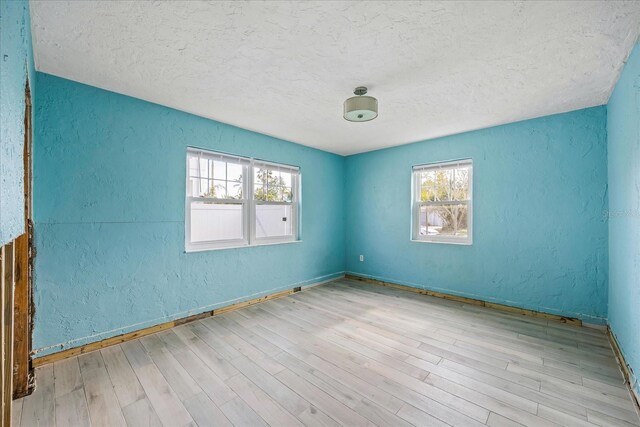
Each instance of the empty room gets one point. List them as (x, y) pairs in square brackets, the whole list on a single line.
[(319, 213)]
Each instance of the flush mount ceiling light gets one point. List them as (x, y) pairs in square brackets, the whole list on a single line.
[(360, 108)]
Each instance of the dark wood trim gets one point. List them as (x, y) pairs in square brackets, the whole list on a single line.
[(7, 277), (23, 301), (22, 369), (627, 372), (75, 351), (465, 300)]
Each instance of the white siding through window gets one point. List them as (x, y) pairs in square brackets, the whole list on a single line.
[(235, 201)]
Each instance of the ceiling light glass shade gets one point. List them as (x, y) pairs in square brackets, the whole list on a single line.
[(360, 108)]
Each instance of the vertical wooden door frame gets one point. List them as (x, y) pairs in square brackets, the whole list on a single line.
[(23, 379)]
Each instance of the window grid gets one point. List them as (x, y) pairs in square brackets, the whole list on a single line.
[(266, 173), (452, 210), (244, 197)]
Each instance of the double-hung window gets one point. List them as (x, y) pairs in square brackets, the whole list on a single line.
[(275, 205), (235, 201), (442, 202)]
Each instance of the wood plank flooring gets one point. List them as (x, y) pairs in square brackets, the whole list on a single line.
[(346, 353)]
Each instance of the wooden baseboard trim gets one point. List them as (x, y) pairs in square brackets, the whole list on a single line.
[(624, 367), (472, 301), (75, 351)]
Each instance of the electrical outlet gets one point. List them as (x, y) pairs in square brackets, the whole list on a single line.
[(361, 258)]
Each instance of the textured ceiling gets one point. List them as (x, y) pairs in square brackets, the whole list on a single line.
[(284, 68)]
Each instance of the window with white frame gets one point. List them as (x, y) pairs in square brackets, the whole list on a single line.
[(235, 201), (442, 202), (274, 198)]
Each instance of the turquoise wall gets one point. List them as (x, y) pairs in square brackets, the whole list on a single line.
[(109, 210), (623, 130), (539, 234), (16, 63), (109, 216), (109, 189)]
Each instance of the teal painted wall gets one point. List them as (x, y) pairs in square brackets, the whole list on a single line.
[(109, 216), (539, 237), (16, 63), (109, 188), (623, 130)]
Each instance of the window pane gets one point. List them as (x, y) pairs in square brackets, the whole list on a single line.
[(443, 184), (205, 169), (215, 221), (194, 187), (422, 221), (428, 186), (427, 178), (216, 189), (219, 170), (444, 220), (234, 172), (460, 184), (226, 185), (234, 190), (269, 185), (258, 174), (193, 166), (206, 188), (273, 221), (286, 179), (287, 194), (220, 189), (260, 192)]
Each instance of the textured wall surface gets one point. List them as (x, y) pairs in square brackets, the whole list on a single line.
[(109, 188), (539, 237), (623, 128), (16, 63)]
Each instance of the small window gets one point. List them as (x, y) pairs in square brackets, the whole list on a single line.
[(236, 201), (442, 202)]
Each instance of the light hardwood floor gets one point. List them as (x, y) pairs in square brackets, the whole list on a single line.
[(345, 353)]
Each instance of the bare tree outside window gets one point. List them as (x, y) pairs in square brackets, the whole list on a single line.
[(442, 201)]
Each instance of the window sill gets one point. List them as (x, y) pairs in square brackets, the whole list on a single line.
[(240, 246), (284, 242), (445, 242)]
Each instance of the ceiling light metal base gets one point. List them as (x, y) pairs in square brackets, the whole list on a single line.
[(360, 90)]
